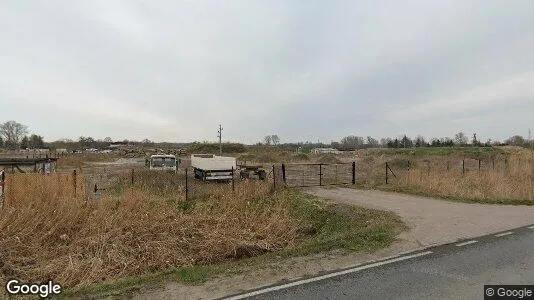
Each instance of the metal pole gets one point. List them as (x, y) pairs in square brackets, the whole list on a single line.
[(353, 172), (386, 173), (233, 185), (220, 139), (186, 187), (3, 186), (284, 173), (320, 174)]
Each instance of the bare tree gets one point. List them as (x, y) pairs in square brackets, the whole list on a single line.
[(516, 140), (108, 140), (420, 141), (460, 139), (267, 139), (352, 142), (35, 142), (372, 143), (12, 132), (275, 139)]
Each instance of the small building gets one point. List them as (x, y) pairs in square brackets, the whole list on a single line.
[(326, 150)]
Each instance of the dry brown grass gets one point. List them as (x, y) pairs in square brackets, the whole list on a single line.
[(80, 160), (45, 234), (61, 185), (501, 180)]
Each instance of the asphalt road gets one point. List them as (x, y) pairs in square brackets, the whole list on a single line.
[(454, 271)]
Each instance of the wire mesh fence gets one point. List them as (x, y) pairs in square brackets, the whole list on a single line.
[(496, 178)]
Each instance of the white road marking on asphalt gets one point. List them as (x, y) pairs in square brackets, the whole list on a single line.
[(466, 243), (531, 227), (503, 234), (318, 278)]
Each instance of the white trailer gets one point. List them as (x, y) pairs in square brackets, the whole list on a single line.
[(213, 167)]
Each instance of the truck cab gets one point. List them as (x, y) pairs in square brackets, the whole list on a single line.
[(162, 162)]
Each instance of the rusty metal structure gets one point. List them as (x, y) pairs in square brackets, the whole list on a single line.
[(18, 162)]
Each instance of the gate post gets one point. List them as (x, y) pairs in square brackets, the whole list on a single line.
[(386, 173), (233, 185), (186, 187), (274, 180), (284, 173), (353, 172), (320, 174)]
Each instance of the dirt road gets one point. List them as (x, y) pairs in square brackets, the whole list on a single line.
[(435, 221)]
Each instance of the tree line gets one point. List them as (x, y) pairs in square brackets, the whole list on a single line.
[(353, 142), (14, 135), (460, 139)]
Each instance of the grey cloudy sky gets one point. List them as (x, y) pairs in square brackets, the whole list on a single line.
[(305, 70)]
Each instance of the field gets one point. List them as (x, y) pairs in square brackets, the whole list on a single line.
[(50, 229), (489, 175), (141, 224)]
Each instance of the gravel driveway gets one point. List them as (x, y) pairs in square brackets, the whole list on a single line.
[(435, 221)]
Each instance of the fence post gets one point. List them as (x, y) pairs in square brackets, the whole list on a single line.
[(386, 173), (479, 165), (233, 185), (284, 173), (353, 172), (448, 165), (320, 174), (274, 180), (186, 187), (132, 176), (493, 162), (463, 166), (3, 186), (74, 181)]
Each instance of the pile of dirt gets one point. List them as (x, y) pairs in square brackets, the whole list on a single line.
[(329, 159)]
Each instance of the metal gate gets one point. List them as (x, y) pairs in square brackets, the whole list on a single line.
[(305, 175)]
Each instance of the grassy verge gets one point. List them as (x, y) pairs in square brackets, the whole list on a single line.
[(439, 151), (322, 227), (415, 190)]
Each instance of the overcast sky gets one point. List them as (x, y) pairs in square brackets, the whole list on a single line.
[(305, 70)]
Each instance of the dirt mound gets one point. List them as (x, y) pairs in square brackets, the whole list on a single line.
[(329, 159)]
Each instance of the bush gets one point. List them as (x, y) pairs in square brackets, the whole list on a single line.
[(214, 148)]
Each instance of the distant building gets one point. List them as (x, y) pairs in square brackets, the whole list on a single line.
[(326, 150)]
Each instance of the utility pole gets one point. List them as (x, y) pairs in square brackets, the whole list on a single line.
[(220, 139), (531, 163)]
